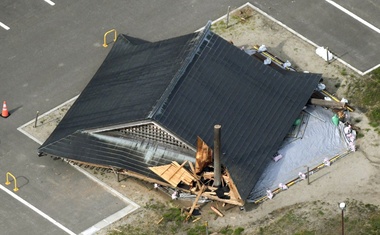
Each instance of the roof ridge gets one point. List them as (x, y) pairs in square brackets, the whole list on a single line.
[(201, 37)]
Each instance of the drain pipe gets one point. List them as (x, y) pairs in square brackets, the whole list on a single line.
[(217, 166)]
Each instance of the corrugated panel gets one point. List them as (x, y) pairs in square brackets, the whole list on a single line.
[(131, 154)]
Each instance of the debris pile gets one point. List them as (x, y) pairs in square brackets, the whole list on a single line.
[(200, 180)]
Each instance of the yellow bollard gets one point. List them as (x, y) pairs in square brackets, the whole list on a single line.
[(8, 183), (105, 37)]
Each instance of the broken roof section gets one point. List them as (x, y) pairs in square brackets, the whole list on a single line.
[(181, 87)]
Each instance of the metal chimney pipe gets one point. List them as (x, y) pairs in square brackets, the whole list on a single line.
[(217, 165)]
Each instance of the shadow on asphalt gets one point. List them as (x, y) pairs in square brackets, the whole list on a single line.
[(15, 109), (21, 181)]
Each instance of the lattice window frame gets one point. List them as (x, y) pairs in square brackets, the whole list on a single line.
[(152, 132)]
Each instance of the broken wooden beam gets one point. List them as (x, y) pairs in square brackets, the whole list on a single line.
[(217, 211), (195, 203), (176, 171), (208, 175), (328, 103), (158, 222), (194, 174), (326, 93), (196, 219)]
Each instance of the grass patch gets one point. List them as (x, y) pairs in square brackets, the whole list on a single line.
[(219, 26), (152, 205), (174, 215), (199, 229), (300, 219), (230, 231), (365, 92), (238, 231)]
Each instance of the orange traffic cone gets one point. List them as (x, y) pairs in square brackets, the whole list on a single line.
[(5, 112)]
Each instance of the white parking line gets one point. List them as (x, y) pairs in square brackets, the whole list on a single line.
[(305, 39), (112, 218), (50, 2), (4, 26), (109, 220), (132, 206), (354, 16), (37, 210)]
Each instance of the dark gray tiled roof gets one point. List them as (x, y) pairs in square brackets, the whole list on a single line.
[(127, 85), (187, 85)]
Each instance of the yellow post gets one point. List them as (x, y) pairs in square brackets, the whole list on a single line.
[(8, 183), (105, 37)]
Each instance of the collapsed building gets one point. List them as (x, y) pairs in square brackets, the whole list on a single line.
[(156, 110)]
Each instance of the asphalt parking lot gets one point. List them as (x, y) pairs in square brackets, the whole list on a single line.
[(48, 53), (342, 26)]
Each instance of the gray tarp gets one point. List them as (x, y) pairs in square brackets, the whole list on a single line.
[(315, 139)]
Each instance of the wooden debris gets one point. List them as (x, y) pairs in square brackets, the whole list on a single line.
[(178, 169), (326, 93), (208, 175), (174, 173), (327, 103), (194, 174), (196, 219), (203, 156), (217, 211), (193, 170), (158, 222), (195, 202)]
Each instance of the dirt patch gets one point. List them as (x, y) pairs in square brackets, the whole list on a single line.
[(355, 177)]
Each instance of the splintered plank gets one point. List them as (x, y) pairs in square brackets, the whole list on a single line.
[(178, 169), (234, 193), (217, 211), (194, 174), (203, 156), (195, 202)]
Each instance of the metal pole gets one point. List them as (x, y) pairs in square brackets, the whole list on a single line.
[(35, 122), (342, 221), (327, 55), (228, 16), (217, 167), (206, 224), (308, 174)]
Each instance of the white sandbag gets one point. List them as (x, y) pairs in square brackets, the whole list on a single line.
[(287, 64), (302, 176), (326, 161), (326, 55), (321, 86), (269, 194), (267, 61), (249, 51), (283, 186), (262, 48)]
